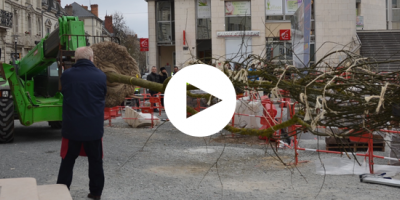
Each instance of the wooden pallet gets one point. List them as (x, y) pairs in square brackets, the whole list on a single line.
[(333, 144)]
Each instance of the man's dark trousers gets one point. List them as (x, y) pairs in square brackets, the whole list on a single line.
[(94, 152)]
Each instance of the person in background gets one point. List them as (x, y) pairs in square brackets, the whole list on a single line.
[(251, 69), (238, 67), (154, 77), (135, 101), (163, 75), (176, 69), (228, 67)]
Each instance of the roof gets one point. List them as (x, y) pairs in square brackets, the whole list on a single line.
[(54, 7), (79, 11), (106, 31)]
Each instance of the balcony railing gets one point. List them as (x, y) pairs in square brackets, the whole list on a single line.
[(6, 19)]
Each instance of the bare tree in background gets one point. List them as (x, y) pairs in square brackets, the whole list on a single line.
[(129, 40), (119, 26)]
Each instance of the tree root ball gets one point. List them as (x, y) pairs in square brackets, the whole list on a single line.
[(111, 57)]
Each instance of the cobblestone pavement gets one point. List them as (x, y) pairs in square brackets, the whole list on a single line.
[(172, 166)]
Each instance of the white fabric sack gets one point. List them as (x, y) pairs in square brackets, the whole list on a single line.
[(141, 119)]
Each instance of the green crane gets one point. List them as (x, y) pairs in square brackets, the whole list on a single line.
[(34, 88)]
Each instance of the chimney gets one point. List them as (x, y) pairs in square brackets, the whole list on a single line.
[(94, 8), (85, 7), (68, 10), (108, 24)]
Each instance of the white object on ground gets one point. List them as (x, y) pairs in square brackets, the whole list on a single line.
[(342, 166), (379, 179), (27, 188), (138, 119), (240, 120), (254, 109)]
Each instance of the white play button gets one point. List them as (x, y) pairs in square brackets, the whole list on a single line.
[(210, 80)]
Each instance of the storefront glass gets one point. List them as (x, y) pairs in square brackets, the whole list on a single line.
[(278, 14), (164, 32), (165, 22), (238, 23), (281, 9), (279, 51), (237, 15), (203, 19)]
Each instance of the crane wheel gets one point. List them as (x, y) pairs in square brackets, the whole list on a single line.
[(6, 120)]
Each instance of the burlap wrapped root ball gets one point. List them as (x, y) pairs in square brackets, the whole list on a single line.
[(111, 57)]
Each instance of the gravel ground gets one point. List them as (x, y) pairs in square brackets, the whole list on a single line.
[(172, 166)]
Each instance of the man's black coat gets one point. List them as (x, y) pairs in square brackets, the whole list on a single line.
[(153, 77), (84, 89)]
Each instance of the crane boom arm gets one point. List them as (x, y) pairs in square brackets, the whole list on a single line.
[(67, 37)]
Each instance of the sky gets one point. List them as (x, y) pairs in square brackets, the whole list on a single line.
[(134, 12)]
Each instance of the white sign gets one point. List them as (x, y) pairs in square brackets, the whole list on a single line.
[(274, 7), (238, 33), (203, 9), (211, 120)]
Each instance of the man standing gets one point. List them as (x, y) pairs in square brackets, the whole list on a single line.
[(154, 77), (84, 89), (163, 76), (176, 69), (251, 69)]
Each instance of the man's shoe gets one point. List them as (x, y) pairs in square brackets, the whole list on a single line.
[(91, 196)]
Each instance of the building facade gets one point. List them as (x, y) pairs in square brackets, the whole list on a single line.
[(26, 21), (94, 26), (180, 30)]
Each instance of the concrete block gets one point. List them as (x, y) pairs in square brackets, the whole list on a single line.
[(19, 189), (55, 191)]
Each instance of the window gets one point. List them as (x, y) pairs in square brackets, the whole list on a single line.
[(237, 15), (203, 19), (29, 24), (280, 9), (279, 51), (396, 10), (39, 27), (395, 4), (47, 30), (395, 14), (165, 21), (203, 28), (54, 69), (238, 23)]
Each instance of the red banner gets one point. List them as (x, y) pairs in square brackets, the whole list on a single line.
[(144, 44), (284, 34)]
